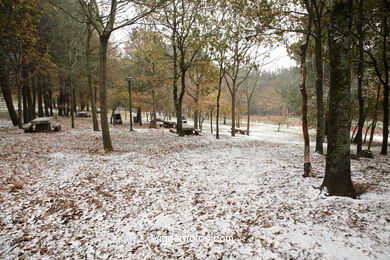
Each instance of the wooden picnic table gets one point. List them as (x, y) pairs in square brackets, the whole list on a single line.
[(241, 131), (83, 114), (189, 130), (169, 124), (42, 124)]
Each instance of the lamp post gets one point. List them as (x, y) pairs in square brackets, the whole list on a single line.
[(129, 79)]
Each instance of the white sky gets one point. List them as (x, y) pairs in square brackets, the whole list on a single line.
[(278, 58)]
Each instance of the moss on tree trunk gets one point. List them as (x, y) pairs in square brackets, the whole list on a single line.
[(338, 169)]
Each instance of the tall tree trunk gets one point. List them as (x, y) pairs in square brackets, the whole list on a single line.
[(91, 89), (196, 116), (359, 134), (34, 94), (319, 88), (337, 178), (248, 117), (306, 152), (50, 99), (233, 111), (72, 100), (183, 71), (386, 89), (211, 119), (45, 98), (103, 94), (139, 115), (40, 94), (5, 89), (20, 97), (153, 122), (218, 106), (26, 96)]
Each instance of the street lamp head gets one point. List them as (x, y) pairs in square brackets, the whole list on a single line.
[(129, 79)]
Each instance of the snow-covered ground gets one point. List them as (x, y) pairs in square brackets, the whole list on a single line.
[(163, 196)]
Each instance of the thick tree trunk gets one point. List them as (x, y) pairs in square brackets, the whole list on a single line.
[(139, 115), (337, 178), (5, 89), (196, 116), (359, 135), (103, 94)]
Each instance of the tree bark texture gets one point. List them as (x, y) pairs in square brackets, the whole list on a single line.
[(337, 178)]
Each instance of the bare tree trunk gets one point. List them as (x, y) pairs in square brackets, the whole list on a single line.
[(248, 118), (360, 74), (218, 107), (386, 87), (139, 115), (211, 119), (103, 94), (153, 122), (337, 178), (306, 153), (72, 99), (20, 109), (233, 111), (40, 96), (92, 98)]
